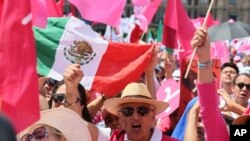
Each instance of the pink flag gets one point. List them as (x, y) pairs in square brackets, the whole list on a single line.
[(39, 13), (19, 83), (169, 92), (177, 25), (108, 12), (42, 9), (144, 11), (151, 10), (219, 50), (199, 21)]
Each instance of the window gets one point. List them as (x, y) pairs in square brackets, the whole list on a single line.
[(184, 1), (232, 15), (233, 2), (203, 1)]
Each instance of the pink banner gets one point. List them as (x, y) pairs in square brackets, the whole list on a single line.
[(108, 12), (169, 92)]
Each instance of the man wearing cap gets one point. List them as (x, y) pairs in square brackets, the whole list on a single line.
[(136, 111)]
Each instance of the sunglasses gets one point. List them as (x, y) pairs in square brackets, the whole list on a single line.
[(110, 119), (241, 85), (51, 82), (38, 134), (141, 110), (58, 98)]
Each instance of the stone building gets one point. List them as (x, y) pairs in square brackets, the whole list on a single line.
[(222, 10)]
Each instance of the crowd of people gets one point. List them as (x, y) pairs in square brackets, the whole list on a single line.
[(71, 113)]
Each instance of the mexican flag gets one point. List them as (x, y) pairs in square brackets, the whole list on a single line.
[(108, 67)]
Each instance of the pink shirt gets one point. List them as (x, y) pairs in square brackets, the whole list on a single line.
[(214, 124)]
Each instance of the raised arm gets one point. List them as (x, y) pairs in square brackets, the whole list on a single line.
[(214, 124), (72, 77), (150, 74), (192, 122)]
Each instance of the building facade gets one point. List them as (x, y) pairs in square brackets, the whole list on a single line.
[(222, 10)]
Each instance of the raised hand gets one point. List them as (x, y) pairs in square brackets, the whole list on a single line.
[(201, 41), (73, 75), (153, 60)]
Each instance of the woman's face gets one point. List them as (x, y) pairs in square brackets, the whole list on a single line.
[(44, 133), (57, 97)]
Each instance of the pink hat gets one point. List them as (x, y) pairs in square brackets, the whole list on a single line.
[(237, 58)]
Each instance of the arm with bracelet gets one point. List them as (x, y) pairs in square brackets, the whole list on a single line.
[(72, 77), (208, 98), (205, 65)]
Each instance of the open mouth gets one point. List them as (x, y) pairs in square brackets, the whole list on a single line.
[(243, 95), (136, 126)]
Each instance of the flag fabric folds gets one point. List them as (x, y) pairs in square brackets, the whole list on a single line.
[(144, 11), (174, 19), (108, 12), (42, 9), (107, 66), (19, 82)]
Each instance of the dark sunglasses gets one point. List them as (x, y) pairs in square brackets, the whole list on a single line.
[(141, 110), (241, 85), (110, 119), (38, 134), (58, 98), (51, 82)]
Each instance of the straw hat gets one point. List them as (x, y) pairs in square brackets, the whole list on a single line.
[(241, 120), (134, 93), (72, 126)]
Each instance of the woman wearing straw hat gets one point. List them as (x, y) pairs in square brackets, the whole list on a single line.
[(57, 124)]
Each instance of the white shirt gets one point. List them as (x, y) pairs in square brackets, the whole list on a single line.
[(103, 134), (157, 135)]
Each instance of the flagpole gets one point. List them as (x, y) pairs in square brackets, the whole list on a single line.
[(203, 25), (142, 36), (111, 35)]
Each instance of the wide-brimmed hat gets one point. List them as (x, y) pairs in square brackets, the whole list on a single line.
[(241, 120), (69, 123), (134, 93)]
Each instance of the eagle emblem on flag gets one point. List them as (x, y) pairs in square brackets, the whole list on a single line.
[(80, 52)]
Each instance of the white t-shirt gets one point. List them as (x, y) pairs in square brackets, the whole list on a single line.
[(157, 135), (104, 134)]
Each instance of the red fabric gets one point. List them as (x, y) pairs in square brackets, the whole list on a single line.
[(117, 135), (55, 9), (121, 64), (247, 112), (136, 34), (19, 82), (59, 6), (177, 25), (73, 10)]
